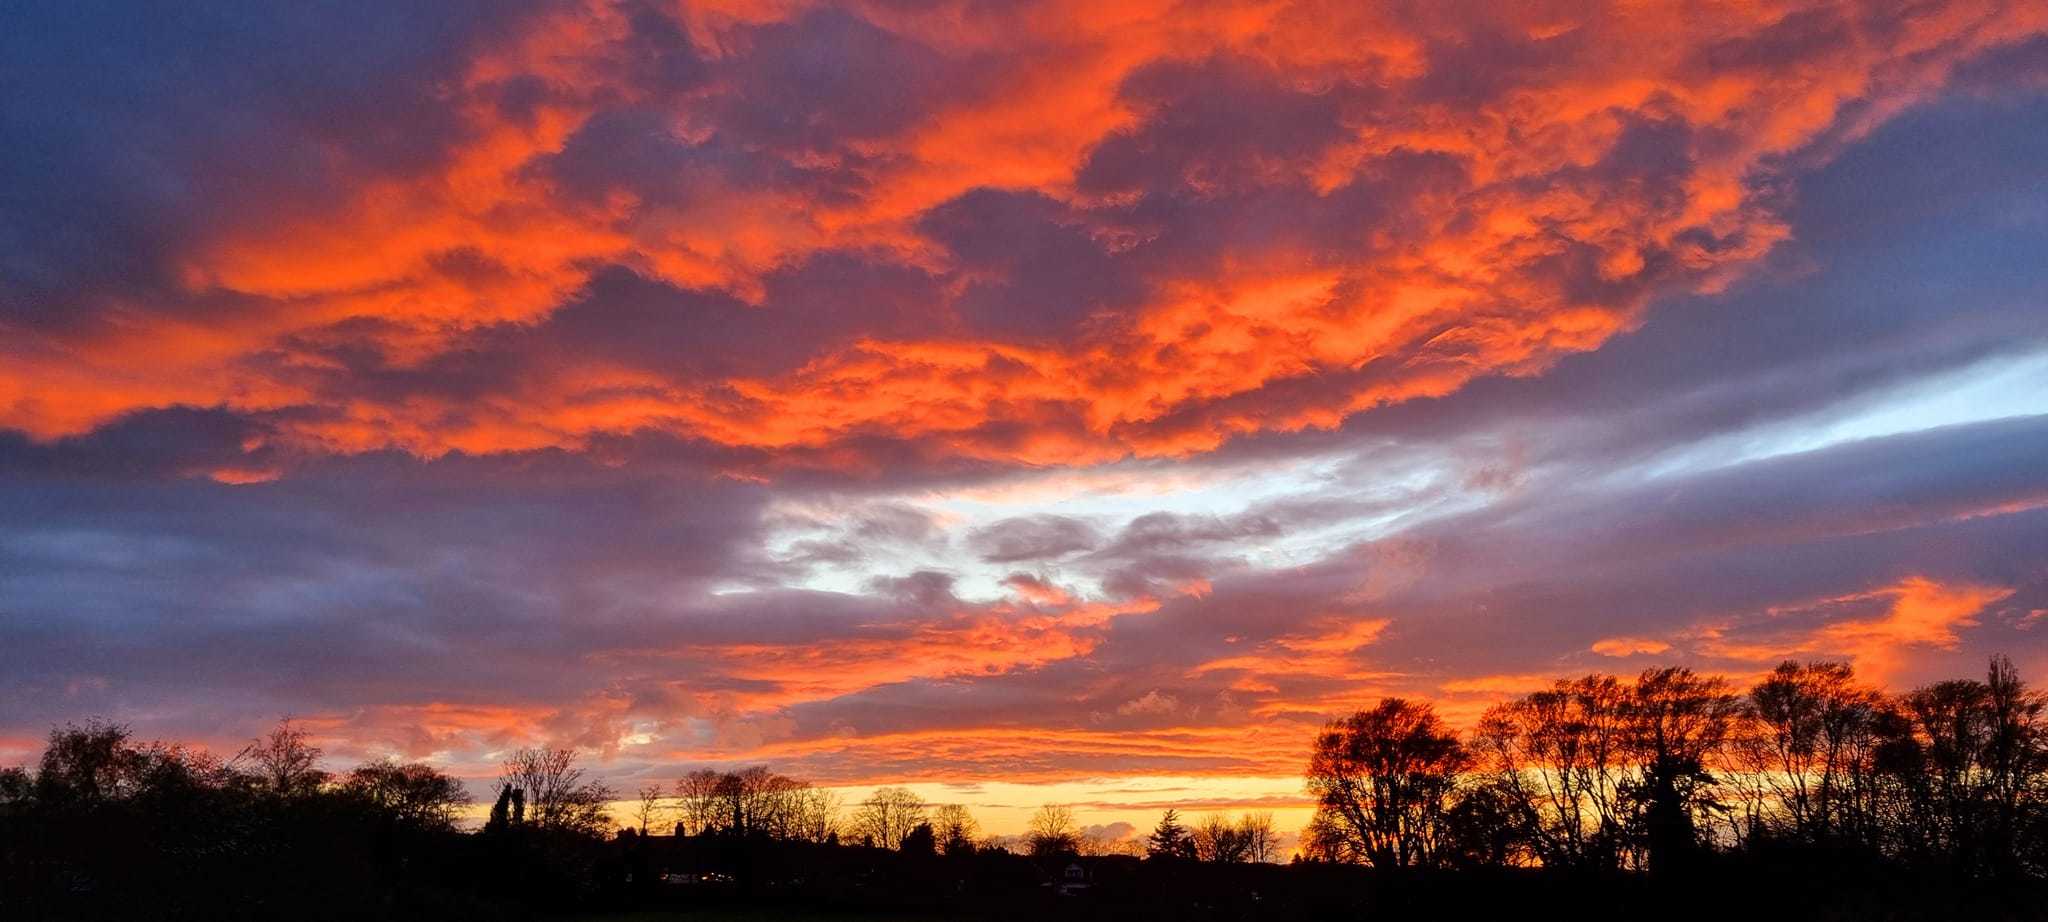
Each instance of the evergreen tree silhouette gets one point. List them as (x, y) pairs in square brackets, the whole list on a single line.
[(1170, 839), (500, 811)]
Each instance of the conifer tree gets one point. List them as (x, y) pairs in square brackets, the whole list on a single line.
[(500, 811), (1170, 839)]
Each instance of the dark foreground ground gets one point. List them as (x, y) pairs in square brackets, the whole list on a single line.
[(810, 884), (457, 877)]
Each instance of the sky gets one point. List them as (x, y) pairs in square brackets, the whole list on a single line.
[(1069, 402)]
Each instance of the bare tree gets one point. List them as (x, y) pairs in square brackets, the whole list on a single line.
[(814, 816), (284, 761), (1383, 778), (1218, 839), (555, 792), (1053, 831), (1560, 757), (649, 807), (1677, 722), (2015, 754), (887, 816), (1964, 757), (415, 793), (1261, 840), (1796, 753), (697, 801), (956, 828), (755, 802)]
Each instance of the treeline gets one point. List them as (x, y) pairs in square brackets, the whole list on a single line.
[(105, 826), (1674, 769), (1635, 794), (756, 803)]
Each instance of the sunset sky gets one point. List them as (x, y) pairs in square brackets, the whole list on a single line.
[(1070, 401)]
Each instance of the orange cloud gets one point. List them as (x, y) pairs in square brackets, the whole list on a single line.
[(1629, 646), (1517, 240), (1915, 612), (756, 677), (1922, 613), (962, 646), (1329, 650)]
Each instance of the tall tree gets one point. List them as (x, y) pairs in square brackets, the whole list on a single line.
[(1805, 731), (1677, 722), (956, 829), (285, 761), (1261, 839), (414, 793), (1383, 779), (1965, 756), (1170, 839), (813, 816), (561, 798), (648, 807), (920, 840), (2015, 758), (1053, 831), (88, 763), (501, 812), (1220, 839), (1483, 828), (887, 816), (1559, 756), (697, 802)]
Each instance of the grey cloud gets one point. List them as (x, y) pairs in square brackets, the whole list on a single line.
[(1032, 538)]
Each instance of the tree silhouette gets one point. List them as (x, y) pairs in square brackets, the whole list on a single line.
[(887, 816), (2014, 758), (1677, 720), (1170, 839), (1483, 828), (1383, 779), (1800, 754), (1560, 758), (813, 816), (1261, 839), (562, 799), (920, 840), (16, 787), (956, 829), (414, 793), (1963, 756), (1810, 776), (501, 812), (1052, 831), (87, 763), (648, 807), (1221, 840), (697, 799), (755, 802), (285, 761)]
